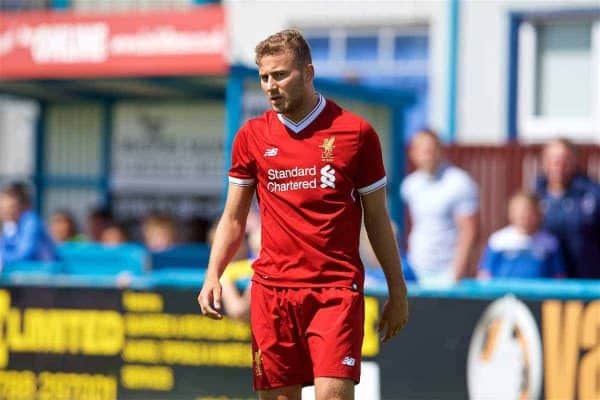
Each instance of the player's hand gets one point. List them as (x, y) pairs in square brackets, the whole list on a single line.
[(209, 299), (393, 317)]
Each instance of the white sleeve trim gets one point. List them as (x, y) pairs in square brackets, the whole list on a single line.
[(373, 187), (241, 182)]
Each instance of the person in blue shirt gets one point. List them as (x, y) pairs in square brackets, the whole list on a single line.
[(23, 236), (571, 209), (522, 249)]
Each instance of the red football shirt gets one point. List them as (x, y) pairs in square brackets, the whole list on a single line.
[(309, 178)]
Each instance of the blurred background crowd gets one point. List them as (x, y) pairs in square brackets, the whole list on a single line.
[(552, 230), (116, 118)]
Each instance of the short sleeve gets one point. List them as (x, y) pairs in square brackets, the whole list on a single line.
[(404, 190), (371, 172), (243, 166), (467, 201)]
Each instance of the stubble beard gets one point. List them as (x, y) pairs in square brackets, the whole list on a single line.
[(288, 106)]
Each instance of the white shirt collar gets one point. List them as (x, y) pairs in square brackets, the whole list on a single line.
[(296, 127)]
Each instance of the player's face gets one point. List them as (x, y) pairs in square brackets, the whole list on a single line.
[(286, 84)]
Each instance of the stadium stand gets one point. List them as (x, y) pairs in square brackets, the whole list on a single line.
[(97, 259)]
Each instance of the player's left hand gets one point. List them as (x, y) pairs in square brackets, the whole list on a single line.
[(393, 317)]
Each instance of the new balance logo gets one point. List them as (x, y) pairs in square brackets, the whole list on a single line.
[(327, 177), (272, 152), (349, 361)]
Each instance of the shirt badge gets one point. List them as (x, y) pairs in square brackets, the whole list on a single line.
[(327, 147)]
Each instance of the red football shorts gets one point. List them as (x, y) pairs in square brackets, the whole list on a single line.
[(302, 333)]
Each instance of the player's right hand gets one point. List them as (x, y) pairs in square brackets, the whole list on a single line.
[(209, 299)]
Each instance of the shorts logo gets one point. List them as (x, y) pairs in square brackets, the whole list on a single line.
[(272, 152), (327, 146), (258, 370), (327, 177), (349, 361)]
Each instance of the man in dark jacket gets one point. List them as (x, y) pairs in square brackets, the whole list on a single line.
[(571, 208)]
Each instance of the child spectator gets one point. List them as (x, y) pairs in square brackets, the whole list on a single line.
[(62, 227), (113, 235), (235, 302), (97, 221), (522, 250), (159, 233)]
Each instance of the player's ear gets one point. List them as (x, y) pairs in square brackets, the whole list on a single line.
[(309, 72)]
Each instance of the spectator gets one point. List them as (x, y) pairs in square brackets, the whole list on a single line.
[(24, 237), (522, 250), (236, 302), (443, 204), (63, 228), (159, 233), (96, 222), (113, 235), (571, 209)]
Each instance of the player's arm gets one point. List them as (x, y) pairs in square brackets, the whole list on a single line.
[(227, 239), (381, 235)]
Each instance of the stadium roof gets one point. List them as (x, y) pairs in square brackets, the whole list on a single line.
[(157, 88)]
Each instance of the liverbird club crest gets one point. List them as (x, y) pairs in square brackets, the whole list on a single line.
[(327, 147)]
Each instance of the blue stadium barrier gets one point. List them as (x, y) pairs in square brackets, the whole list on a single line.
[(177, 277), (24, 272), (97, 259), (51, 267), (93, 265), (188, 255)]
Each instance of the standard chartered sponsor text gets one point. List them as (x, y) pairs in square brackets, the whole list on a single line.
[(275, 175)]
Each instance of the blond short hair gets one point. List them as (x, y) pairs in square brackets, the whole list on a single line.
[(287, 40), (531, 198)]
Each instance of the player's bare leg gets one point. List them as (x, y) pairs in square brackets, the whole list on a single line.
[(282, 393), (334, 389)]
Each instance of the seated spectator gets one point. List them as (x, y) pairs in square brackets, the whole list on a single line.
[(113, 235), (571, 209), (97, 221), (62, 227), (235, 302), (522, 250), (24, 237), (443, 202), (159, 233)]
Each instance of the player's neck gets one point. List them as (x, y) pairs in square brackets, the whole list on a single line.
[(305, 108)]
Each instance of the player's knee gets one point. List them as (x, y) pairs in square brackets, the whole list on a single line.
[(334, 389)]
